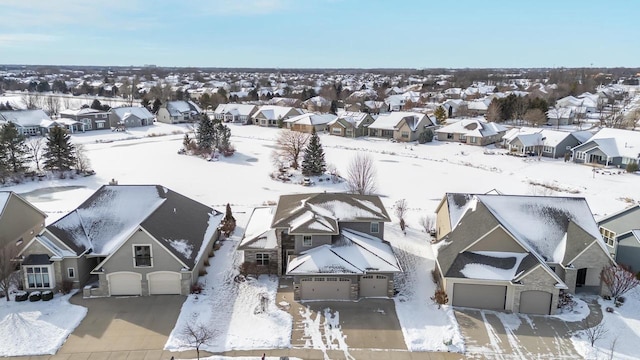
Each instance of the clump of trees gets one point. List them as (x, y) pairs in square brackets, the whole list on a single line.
[(518, 109), (213, 135)]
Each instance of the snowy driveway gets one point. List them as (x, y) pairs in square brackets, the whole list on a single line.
[(497, 335)]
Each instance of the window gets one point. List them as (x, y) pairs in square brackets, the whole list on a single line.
[(71, 273), (349, 132), (375, 227), (405, 134), (473, 140), (336, 131), (608, 236), (38, 277), (100, 125), (449, 136), (547, 149), (580, 155), (142, 255), (462, 137), (306, 240), (262, 259)]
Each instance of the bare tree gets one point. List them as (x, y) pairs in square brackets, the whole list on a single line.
[(32, 101), (35, 144), (52, 104), (361, 175), (197, 335), (427, 222), (594, 333), (494, 112), (618, 279), (66, 102), (401, 207), (462, 110), (82, 160), (290, 144), (8, 274), (520, 108), (535, 117)]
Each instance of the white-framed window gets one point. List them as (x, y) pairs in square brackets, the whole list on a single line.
[(375, 227), (336, 131), (608, 236), (39, 276), (71, 273), (547, 149), (104, 116), (306, 241), (349, 132), (580, 155), (405, 134), (462, 137), (100, 125), (262, 259), (473, 140), (142, 256)]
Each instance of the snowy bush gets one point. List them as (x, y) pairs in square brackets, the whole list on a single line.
[(35, 296), (565, 300), (440, 297)]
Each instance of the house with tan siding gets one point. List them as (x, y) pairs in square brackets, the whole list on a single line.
[(401, 125)]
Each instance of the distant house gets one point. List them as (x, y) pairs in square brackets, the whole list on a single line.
[(621, 233), (350, 124), (560, 116), (472, 132), (130, 116), (174, 112), (517, 253), (91, 119), (309, 121), (270, 115), (70, 125), (332, 244), (400, 125), (124, 240), (236, 113), (28, 122), (20, 221), (607, 147), (317, 103), (544, 142)]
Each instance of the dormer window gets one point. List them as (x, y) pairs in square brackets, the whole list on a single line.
[(375, 227)]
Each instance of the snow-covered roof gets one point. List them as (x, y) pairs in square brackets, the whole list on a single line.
[(618, 142), (258, 233), (57, 251), (353, 253), (473, 128), (320, 213), (275, 112), (176, 108), (351, 117), (239, 109), (546, 137), (83, 111), (127, 111), (311, 119), (102, 223), (485, 265), (390, 121), (24, 118)]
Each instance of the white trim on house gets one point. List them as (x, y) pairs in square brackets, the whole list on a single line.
[(50, 276)]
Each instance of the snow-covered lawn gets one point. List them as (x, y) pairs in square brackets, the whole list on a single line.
[(622, 331), (233, 309), (425, 326), (37, 328)]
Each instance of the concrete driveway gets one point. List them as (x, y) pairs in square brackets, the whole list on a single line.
[(124, 324), (496, 335), (366, 324)]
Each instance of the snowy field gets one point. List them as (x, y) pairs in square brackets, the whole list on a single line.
[(422, 174), (37, 328)]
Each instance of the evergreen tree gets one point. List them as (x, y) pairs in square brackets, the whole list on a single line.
[(206, 131), (334, 107), (156, 106), (59, 154), (96, 105), (224, 138), (13, 149), (441, 115), (313, 162)]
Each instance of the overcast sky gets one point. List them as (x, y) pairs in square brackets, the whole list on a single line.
[(322, 33)]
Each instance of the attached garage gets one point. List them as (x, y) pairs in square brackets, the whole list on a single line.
[(373, 286), (164, 283), (325, 288), (124, 283), (492, 297), (535, 302)]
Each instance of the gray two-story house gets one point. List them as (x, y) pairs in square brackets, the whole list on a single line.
[(91, 119), (332, 244), (621, 233)]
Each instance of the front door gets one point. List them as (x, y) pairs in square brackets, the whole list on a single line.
[(581, 279)]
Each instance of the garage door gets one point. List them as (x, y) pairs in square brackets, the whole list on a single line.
[(480, 296), (164, 283), (373, 286), (325, 288), (124, 283), (535, 302)]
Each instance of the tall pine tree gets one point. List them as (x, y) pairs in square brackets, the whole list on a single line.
[(313, 162), (224, 138), (206, 131), (59, 154), (13, 149)]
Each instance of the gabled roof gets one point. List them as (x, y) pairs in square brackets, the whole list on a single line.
[(24, 118), (137, 111), (350, 117), (311, 119), (82, 111), (615, 143), (491, 265), (540, 223), (275, 112), (474, 128), (258, 234), (239, 109), (391, 121), (320, 213), (102, 223), (177, 108), (353, 253)]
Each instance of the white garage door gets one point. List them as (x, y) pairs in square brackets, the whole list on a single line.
[(491, 297), (124, 283), (373, 286), (164, 283), (325, 288)]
